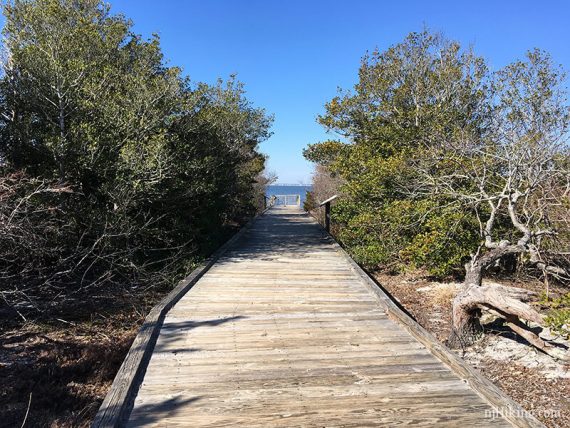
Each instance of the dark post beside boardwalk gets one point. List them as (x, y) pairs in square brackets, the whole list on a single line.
[(285, 330), (327, 205)]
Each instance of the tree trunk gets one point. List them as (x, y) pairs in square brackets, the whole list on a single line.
[(507, 302), (466, 328)]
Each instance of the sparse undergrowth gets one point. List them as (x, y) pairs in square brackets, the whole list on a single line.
[(536, 381), (558, 315), (56, 374)]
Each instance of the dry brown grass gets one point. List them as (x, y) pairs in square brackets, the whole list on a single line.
[(58, 370), (443, 294)]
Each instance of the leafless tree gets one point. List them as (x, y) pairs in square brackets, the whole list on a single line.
[(40, 269), (263, 180), (324, 185), (514, 173)]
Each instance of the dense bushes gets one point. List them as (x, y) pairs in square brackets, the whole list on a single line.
[(416, 89), (114, 167), (429, 140), (452, 168)]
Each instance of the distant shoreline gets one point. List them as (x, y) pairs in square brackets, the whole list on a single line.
[(290, 185), (289, 189)]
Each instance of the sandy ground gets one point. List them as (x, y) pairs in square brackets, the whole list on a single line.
[(538, 382)]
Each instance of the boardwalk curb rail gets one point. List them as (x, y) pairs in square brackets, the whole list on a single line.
[(117, 405), (488, 391)]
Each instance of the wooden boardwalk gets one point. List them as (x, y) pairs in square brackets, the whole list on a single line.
[(282, 331)]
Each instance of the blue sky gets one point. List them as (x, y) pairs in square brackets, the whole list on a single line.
[(292, 55)]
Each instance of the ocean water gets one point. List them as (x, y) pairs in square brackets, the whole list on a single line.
[(277, 189)]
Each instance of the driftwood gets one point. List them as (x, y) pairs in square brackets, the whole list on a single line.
[(508, 303), (504, 405)]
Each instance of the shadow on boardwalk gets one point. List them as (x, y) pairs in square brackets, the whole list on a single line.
[(153, 413), (283, 331), (276, 234), (174, 331)]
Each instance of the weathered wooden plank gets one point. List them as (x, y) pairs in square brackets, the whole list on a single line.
[(116, 406), (509, 409), (286, 330)]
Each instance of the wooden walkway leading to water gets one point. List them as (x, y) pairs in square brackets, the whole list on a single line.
[(284, 331)]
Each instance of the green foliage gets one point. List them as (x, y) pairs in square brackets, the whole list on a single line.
[(435, 146), (558, 317), (310, 202), (401, 100), (325, 152), (443, 242), (404, 234), (155, 167)]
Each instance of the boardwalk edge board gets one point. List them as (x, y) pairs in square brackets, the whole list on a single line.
[(118, 403), (503, 404)]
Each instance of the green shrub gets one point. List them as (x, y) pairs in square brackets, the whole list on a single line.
[(116, 168), (310, 202), (558, 315)]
